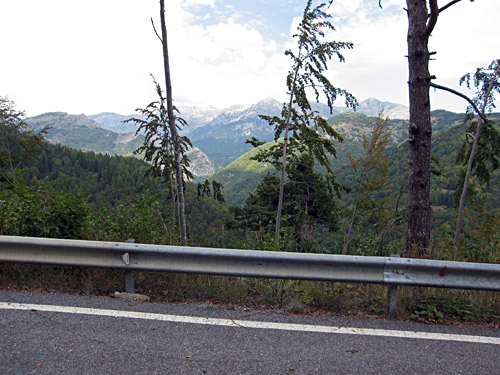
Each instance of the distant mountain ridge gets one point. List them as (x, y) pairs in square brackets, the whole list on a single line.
[(372, 107), (223, 138), (218, 135), (202, 116), (83, 133), (114, 122)]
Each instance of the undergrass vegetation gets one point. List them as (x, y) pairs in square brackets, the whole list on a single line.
[(429, 305)]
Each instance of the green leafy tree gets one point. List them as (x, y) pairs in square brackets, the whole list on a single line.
[(18, 144), (42, 211), (260, 207), (483, 154), (305, 131), (310, 203), (309, 206), (143, 220)]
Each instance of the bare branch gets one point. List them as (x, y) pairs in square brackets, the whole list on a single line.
[(162, 221), (432, 19), (450, 4), (464, 97), (403, 142), (156, 32)]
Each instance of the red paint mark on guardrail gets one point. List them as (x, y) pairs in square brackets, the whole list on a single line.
[(442, 273)]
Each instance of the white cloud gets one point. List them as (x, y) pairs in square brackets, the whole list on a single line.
[(190, 3), (73, 56), (378, 67), (223, 64), (465, 38), (346, 7), (97, 55)]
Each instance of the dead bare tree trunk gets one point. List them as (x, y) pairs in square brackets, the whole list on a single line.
[(170, 178), (173, 128)]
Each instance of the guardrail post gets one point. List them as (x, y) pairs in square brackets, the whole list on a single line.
[(129, 275), (392, 295)]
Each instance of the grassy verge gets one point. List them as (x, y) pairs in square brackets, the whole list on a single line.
[(430, 305)]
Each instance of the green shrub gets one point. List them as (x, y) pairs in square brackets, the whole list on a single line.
[(42, 211)]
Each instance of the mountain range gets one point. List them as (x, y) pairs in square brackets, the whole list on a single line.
[(83, 133), (218, 135), (221, 133)]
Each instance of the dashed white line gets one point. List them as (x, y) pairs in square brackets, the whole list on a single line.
[(252, 324)]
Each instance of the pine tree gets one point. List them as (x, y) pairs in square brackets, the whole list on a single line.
[(173, 128)]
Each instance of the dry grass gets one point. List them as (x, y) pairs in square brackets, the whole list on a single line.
[(299, 297)]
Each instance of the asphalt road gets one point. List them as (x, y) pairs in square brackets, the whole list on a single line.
[(44, 333)]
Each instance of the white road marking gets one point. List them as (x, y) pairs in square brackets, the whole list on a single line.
[(252, 324)]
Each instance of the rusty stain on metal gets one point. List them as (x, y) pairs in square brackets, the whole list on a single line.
[(442, 273)]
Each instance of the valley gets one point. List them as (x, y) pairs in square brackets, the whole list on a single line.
[(218, 136)]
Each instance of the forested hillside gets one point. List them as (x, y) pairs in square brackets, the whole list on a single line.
[(244, 174), (117, 186), (108, 180), (381, 225)]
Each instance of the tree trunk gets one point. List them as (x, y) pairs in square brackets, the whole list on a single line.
[(347, 239), (173, 128), (9, 155), (282, 176), (463, 196), (170, 178), (419, 207), (285, 143)]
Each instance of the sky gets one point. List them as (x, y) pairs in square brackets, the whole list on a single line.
[(98, 55)]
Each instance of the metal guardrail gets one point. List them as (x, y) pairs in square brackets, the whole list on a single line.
[(251, 263)]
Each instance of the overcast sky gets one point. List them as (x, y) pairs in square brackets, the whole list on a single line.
[(97, 55)]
